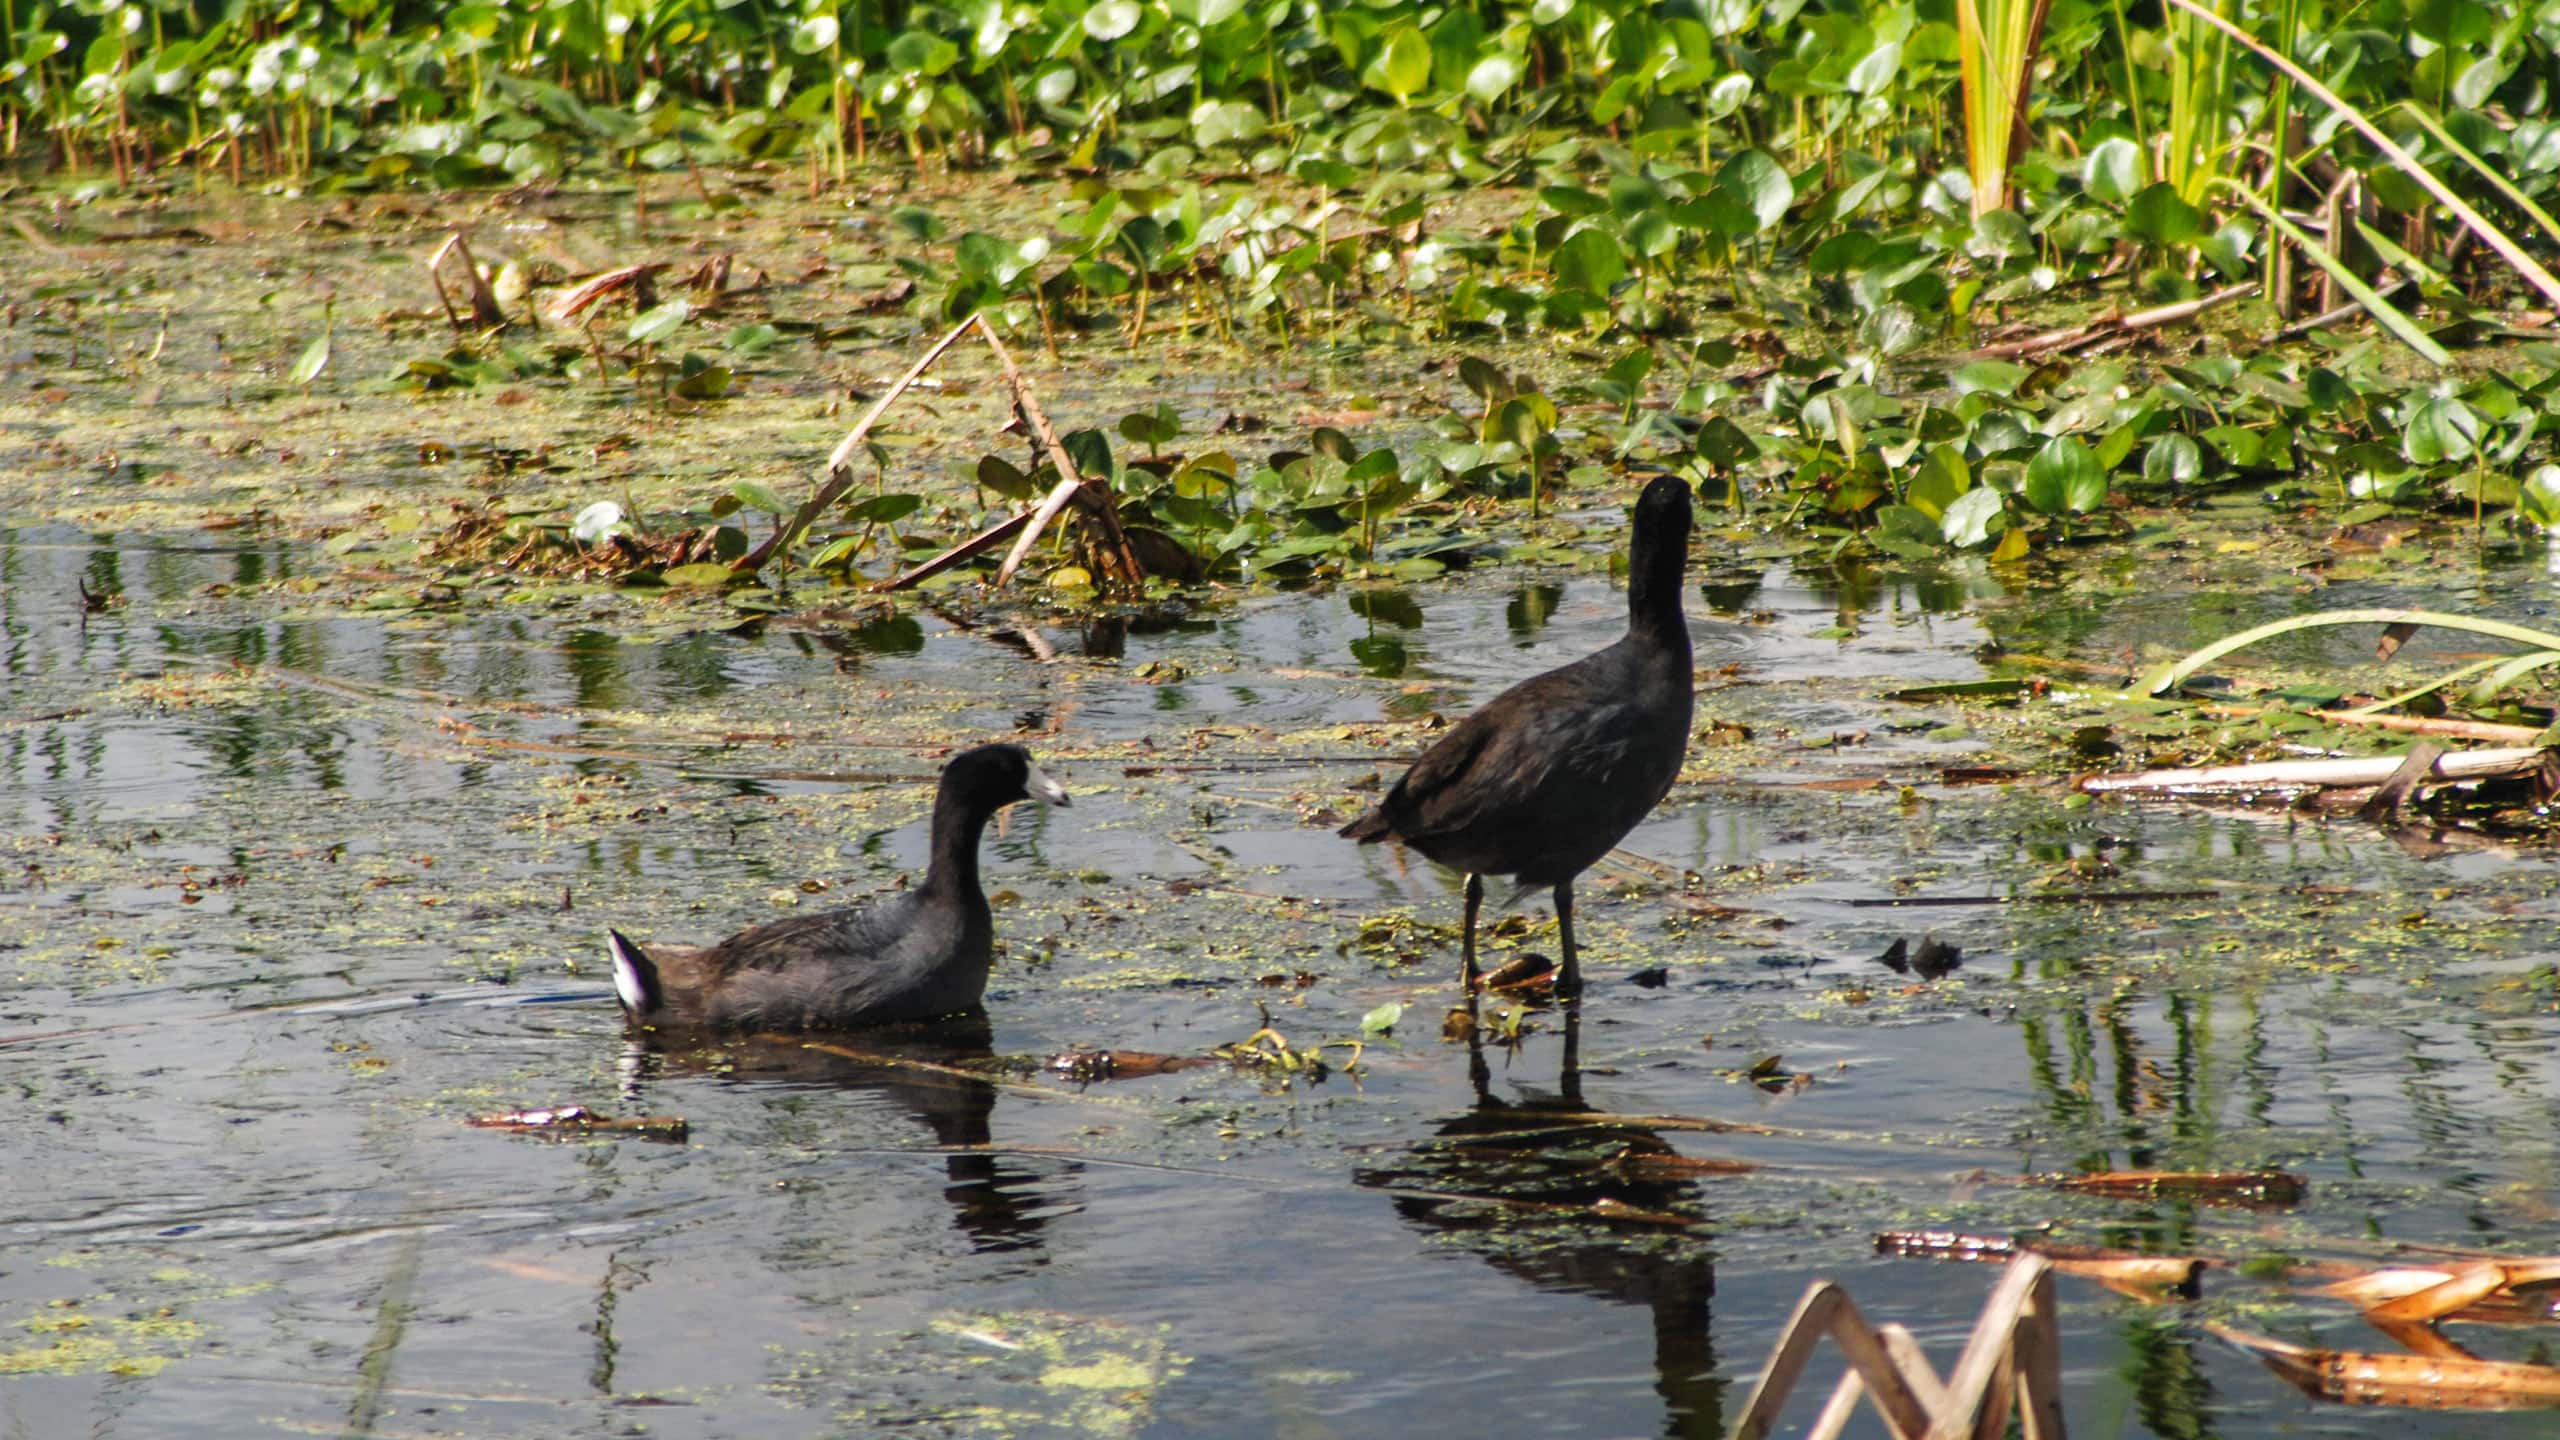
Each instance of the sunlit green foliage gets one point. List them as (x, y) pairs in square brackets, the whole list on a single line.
[(1766, 218)]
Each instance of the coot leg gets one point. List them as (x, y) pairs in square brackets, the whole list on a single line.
[(1475, 902), (1569, 1070), (1569, 983)]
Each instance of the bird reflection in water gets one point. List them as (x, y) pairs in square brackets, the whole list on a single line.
[(927, 1071), (1528, 1186)]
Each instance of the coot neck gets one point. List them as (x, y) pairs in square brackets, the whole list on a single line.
[(1655, 568), (952, 868)]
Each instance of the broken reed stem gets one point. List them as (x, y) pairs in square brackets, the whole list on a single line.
[(1105, 512), (1060, 496), (986, 539), (2315, 774), (839, 471), (1118, 559), (486, 314)]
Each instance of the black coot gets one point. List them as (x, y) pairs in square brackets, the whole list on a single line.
[(1543, 781), (913, 956)]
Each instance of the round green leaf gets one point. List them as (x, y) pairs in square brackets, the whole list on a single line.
[(1402, 65), (1112, 19), (882, 509), (1760, 183), (814, 34), (1873, 75), (1589, 260), (1492, 76), (2065, 476), (1224, 122), (1969, 518), (2173, 460), (756, 495), (2443, 429), (2158, 216), (658, 324), (2113, 171)]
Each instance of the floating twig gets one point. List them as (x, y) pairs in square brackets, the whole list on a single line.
[(567, 1120), (2460, 767), (2113, 326), (2128, 1272), (2486, 1290), (2229, 1187), (2083, 897), (634, 278)]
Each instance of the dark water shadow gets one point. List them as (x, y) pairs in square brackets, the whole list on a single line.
[(1515, 1182), (926, 1072)]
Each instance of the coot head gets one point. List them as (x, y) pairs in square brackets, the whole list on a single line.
[(1656, 556), (993, 776)]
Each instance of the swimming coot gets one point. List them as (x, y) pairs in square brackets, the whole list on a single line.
[(1557, 769), (913, 956)]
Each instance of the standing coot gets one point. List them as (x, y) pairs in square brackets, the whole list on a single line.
[(914, 956), (1540, 783)]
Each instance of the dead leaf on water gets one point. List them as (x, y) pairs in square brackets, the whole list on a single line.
[(1528, 972), (1089, 1065)]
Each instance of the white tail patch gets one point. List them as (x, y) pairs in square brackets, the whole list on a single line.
[(635, 978)]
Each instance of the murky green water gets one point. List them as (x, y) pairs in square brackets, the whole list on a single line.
[(306, 864), (289, 896)]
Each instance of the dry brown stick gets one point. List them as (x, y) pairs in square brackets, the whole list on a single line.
[(2110, 327), (839, 471), (2383, 805), (1827, 1310), (985, 539), (485, 312), (1060, 496), (569, 304), (2347, 311), (1104, 511)]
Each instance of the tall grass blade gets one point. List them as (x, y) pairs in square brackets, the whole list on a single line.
[(2482, 168), (2509, 673), (2479, 224), (2391, 317), (2177, 673)]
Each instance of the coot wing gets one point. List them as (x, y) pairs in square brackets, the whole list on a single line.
[(1492, 768), (842, 937)]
